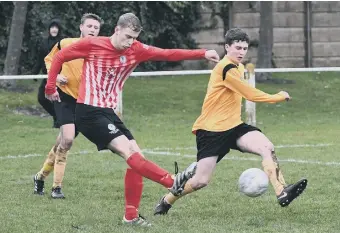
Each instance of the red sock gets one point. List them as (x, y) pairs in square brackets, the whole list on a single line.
[(150, 170), (133, 193)]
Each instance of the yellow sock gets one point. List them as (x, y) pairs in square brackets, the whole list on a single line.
[(278, 170), (279, 175), (48, 164), (274, 174), (59, 166), (171, 199)]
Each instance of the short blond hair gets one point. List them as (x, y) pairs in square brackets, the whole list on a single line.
[(91, 16), (131, 21)]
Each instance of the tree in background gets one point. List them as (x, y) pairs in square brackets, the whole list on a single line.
[(221, 10), (6, 13), (166, 25), (14, 43)]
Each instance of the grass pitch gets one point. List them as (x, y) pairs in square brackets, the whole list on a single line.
[(160, 113)]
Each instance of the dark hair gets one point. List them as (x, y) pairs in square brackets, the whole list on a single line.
[(91, 16), (236, 34), (131, 21)]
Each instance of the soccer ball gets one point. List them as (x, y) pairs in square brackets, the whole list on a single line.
[(253, 182)]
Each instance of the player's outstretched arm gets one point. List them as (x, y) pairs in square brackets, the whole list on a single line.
[(212, 55), (232, 81), (150, 53)]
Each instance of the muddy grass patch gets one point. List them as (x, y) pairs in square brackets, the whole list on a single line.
[(31, 111)]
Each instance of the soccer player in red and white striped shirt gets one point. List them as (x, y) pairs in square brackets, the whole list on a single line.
[(108, 62)]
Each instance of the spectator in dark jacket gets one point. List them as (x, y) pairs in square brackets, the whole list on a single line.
[(43, 49)]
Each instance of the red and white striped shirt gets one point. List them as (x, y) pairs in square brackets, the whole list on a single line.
[(106, 69)]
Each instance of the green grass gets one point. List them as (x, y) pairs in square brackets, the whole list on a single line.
[(160, 113)]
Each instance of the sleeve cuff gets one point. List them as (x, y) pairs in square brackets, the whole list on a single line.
[(203, 52)]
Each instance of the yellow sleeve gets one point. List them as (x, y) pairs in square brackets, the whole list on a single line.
[(48, 59), (232, 80)]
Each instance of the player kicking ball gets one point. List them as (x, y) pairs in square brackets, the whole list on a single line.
[(108, 63), (219, 127)]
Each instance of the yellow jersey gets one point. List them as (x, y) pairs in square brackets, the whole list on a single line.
[(72, 70), (221, 108)]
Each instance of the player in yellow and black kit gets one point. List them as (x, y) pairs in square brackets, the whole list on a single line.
[(68, 82), (219, 128)]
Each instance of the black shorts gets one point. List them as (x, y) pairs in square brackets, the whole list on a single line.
[(66, 109), (219, 143), (100, 125)]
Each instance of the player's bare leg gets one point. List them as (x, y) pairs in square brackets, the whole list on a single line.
[(204, 172), (67, 137), (39, 178), (257, 143), (122, 146)]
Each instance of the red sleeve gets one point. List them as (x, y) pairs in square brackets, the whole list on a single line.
[(77, 50), (150, 53)]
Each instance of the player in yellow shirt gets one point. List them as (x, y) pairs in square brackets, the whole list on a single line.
[(68, 85), (219, 128)]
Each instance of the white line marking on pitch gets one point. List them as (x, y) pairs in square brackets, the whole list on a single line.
[(235, 158), (277, 146), (171, 153), (19, 156), (168, 151)]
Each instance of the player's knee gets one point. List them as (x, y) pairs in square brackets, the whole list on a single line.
[(265, 147), (264, 151), (57, 142), (67, 142), (126, 151), (270, 146), (122, 146), (200, 183)]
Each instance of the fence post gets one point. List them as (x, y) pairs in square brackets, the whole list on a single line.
[(250, 107)]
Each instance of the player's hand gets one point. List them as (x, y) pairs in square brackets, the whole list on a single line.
[(53, 97), (62, 79), (285, 94), (212, 55)]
